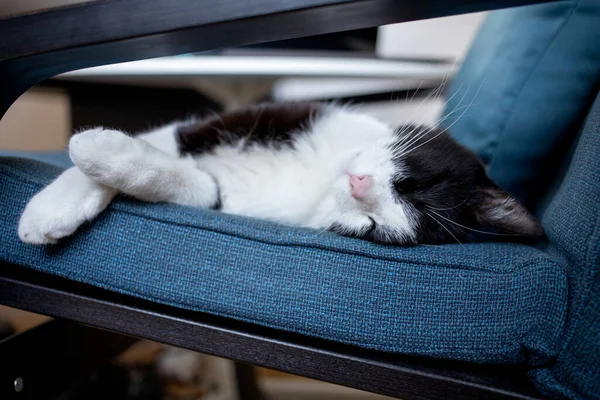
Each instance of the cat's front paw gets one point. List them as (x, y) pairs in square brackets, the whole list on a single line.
[(43, 223), (98, 151), (59, 209)]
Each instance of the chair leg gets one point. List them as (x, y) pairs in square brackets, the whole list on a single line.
[(47, 360), (247, 382), (6, 329)]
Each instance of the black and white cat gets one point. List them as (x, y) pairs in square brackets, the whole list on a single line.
[(320, 166)]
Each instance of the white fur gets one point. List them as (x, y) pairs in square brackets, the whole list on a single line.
[(306, 185), (162, 138), (65, 204), (137, 168)]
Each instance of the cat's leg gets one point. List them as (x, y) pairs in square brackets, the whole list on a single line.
[(60, 208), (137, 168)]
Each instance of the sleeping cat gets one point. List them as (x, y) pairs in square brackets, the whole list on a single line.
[(319, 166)]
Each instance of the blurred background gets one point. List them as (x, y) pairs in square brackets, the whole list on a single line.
[(395, 72), (389, 71)]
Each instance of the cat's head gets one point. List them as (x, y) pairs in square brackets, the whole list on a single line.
[(424, 187)]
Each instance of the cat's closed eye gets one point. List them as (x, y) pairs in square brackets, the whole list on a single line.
[(407, 185)]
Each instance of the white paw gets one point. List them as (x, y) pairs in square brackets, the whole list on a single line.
[(59, 209), (137, 168), (42, 225), (114, 159), (97, 151)]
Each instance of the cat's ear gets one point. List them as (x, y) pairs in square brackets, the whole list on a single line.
[(504, 214)]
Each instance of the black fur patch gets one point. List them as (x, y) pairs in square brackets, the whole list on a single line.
[(453, 197), (269, 124)]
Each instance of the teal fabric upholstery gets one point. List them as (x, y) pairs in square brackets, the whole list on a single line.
[(572, 222), (529, 78), (500, 303), (55, 157)]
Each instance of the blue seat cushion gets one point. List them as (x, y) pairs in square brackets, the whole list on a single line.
[(523, 90), (500, 303)]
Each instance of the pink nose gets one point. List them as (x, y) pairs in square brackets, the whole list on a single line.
[(359, 185)]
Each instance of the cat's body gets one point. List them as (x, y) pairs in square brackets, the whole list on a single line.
[(311, 165)]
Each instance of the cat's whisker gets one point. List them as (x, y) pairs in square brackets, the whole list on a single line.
[(454, 110), (471, 229), (406, 100), (444, 82), (433, 93), (446, 209), (415, 93), (439, 121), (253, 129), (415, 139), (319, 233), (452, 124), (405, 141), (407, 137), (404, 137), (398, 150), (443, 226)]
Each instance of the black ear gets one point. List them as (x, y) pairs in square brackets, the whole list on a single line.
[(504, 214)]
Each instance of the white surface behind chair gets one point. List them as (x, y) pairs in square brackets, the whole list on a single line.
[(442, 39)]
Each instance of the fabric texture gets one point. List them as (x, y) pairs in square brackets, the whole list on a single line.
[(524, 88), (572, 222), (519, 101), (501, 303), (59, 158)]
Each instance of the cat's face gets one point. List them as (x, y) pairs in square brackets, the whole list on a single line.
[(423, 187)]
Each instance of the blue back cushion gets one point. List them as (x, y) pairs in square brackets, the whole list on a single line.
[(530, 77)]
